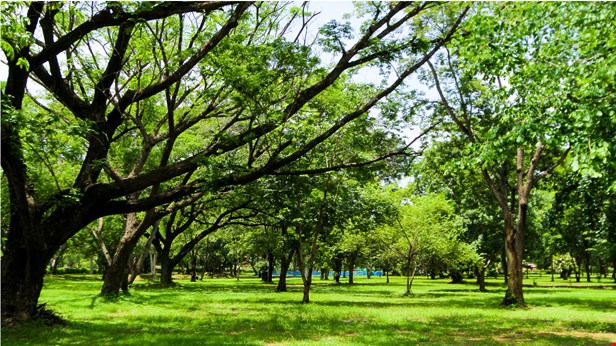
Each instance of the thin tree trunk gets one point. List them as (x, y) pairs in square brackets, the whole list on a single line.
[(285, 262), (153, 263), (480, 271), (91, 265), (136, 268), (306, 274), (352, 258), (410, 275), (57, 259), (271, 261), (98, 236), (193, 266)]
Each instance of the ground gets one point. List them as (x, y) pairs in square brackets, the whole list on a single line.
[(371, 312)]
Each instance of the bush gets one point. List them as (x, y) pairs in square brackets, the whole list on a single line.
[(61, 271)]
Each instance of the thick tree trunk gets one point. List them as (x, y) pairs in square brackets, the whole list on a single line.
[(166, 271), (23, 270), (114, 275), (515, 275), (456, 277)]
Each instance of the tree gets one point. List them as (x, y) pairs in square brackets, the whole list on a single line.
[(253, 107), (194, 223), (425, 226), (517, 82), (440, 171)]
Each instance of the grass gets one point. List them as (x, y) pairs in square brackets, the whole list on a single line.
[(371, 312)]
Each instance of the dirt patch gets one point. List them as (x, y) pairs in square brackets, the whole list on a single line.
[(608, 337)]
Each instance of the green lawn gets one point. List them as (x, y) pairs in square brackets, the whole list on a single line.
[(371, 312)]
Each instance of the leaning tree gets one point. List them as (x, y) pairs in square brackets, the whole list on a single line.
[(120, 77)]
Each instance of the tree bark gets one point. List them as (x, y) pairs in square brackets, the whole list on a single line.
[(20, 292), (514, 237), (166, 271)]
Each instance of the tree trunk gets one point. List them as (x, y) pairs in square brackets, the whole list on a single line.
[(271, 261), (456, 277), (480, 272), (614, 268), (337, 269), (137, 267), (515, 276), (91, 265), (22, 280), (166, 271), (153, 264), (285, 262), (114, 275), (306, 273), (504, 266), (578, 268), (410, 274), (352, 259), (587, 265), (55, 261)]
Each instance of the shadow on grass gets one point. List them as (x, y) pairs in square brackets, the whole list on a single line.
[(288, 327), (74, 277)]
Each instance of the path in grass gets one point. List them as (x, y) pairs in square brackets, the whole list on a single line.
[(248, 312)]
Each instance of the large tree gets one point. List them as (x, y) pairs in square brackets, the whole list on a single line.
[(527, 84), (151, 74)]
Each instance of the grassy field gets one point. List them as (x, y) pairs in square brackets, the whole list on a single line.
[(371, 312)]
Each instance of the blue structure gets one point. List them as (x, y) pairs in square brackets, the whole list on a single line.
[(297, 273)]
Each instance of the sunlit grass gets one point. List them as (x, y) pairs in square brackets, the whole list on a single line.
[(248, 312)]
